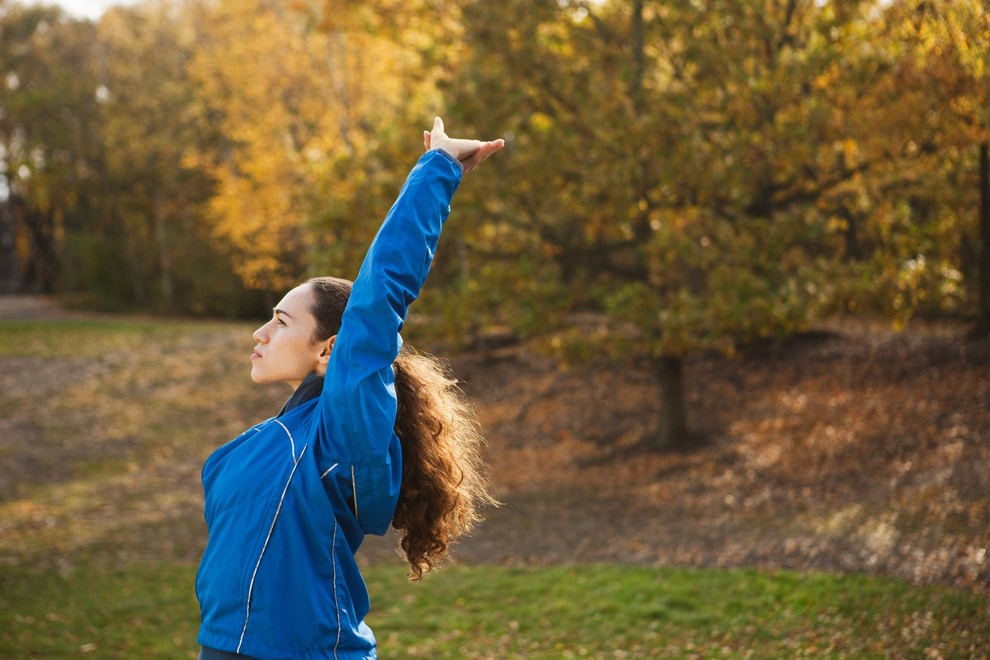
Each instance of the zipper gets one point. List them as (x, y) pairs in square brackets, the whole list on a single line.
[(271, 528)]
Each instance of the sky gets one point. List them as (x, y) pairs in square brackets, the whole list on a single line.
[(91, 9)]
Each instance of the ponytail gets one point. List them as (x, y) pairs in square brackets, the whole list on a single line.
[(443, 479), (444, 485)]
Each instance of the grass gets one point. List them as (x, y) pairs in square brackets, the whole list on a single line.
[(141, 610), (148, 610), (80, 338), (636, 612)]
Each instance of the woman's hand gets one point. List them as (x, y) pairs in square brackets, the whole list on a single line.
[(470, 153)]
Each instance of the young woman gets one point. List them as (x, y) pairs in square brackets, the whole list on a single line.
[(372, 435)]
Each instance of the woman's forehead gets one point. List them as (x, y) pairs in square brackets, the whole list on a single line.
[(297, 300)]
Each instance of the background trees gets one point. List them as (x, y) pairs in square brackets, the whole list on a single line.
[(950, 59), (102, 138), (311, 103), (157, 135), (697, 195), (49, 147), (682, 177)]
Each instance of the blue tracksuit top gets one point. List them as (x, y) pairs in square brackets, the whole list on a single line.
[(288, 502)]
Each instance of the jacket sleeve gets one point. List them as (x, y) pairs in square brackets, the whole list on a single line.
[(358, 403)]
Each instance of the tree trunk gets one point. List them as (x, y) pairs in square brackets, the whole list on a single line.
[(983, 318), (10, 274), (672, 432), (41, 272), (164, 254), (853, 251), (638, 56)]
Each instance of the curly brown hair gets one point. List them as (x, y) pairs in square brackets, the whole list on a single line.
[(444, 480)]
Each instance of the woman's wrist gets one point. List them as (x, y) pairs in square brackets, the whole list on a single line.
[(449, 156)]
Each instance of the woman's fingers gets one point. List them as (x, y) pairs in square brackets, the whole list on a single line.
[(470, 153), (435, 137), (483, 153)]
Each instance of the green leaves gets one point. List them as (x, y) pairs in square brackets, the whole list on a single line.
[(706, 172)]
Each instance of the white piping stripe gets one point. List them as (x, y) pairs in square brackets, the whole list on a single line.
[(354, 490), (291, 439), (336, 605), (329, 470), (247, 613)]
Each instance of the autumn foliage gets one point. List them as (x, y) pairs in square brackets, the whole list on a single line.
[(682, 177)]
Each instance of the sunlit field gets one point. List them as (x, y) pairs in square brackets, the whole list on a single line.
[(721, 302), (105, 426)]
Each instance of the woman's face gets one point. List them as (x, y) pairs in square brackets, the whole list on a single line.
[(285, 352)]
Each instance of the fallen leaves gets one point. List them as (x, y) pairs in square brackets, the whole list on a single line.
[(861, 451)]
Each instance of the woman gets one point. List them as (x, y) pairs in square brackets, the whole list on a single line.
[(371, 435)]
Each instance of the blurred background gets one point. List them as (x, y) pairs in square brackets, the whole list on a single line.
[(728, 285)]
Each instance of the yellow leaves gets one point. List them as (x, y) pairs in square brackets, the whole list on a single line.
[(918, 279), (828, 77), (848, 149), (256, 221), (963, 105), (298, 104), (836, 225), (956, 32), (555, 38), (541, 122)]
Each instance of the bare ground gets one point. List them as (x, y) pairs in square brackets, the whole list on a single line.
[(854, 449)]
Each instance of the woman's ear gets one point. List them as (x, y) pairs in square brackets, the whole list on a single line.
[(326, 349)]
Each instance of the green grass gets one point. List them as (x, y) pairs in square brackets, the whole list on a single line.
[(142, 610), (600, 611), (89, 338)]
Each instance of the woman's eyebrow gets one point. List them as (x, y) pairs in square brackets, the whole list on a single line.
[(282, 312)]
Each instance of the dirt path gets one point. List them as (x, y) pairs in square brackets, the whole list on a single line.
[(27, 307)]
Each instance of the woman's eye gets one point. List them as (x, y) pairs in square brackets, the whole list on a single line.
[(280, 322)]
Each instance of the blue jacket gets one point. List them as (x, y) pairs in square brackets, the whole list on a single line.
[(289, 501)]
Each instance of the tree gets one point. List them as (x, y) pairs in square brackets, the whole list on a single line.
[(311, 139), (688, 196), (950, 57), (157, 136), (48, 154)]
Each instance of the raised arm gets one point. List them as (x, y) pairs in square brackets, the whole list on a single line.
[(358, 401)]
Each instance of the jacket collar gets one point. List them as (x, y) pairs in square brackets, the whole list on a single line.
[(309, 389)]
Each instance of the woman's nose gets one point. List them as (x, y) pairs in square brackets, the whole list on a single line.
[(259, 335)]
